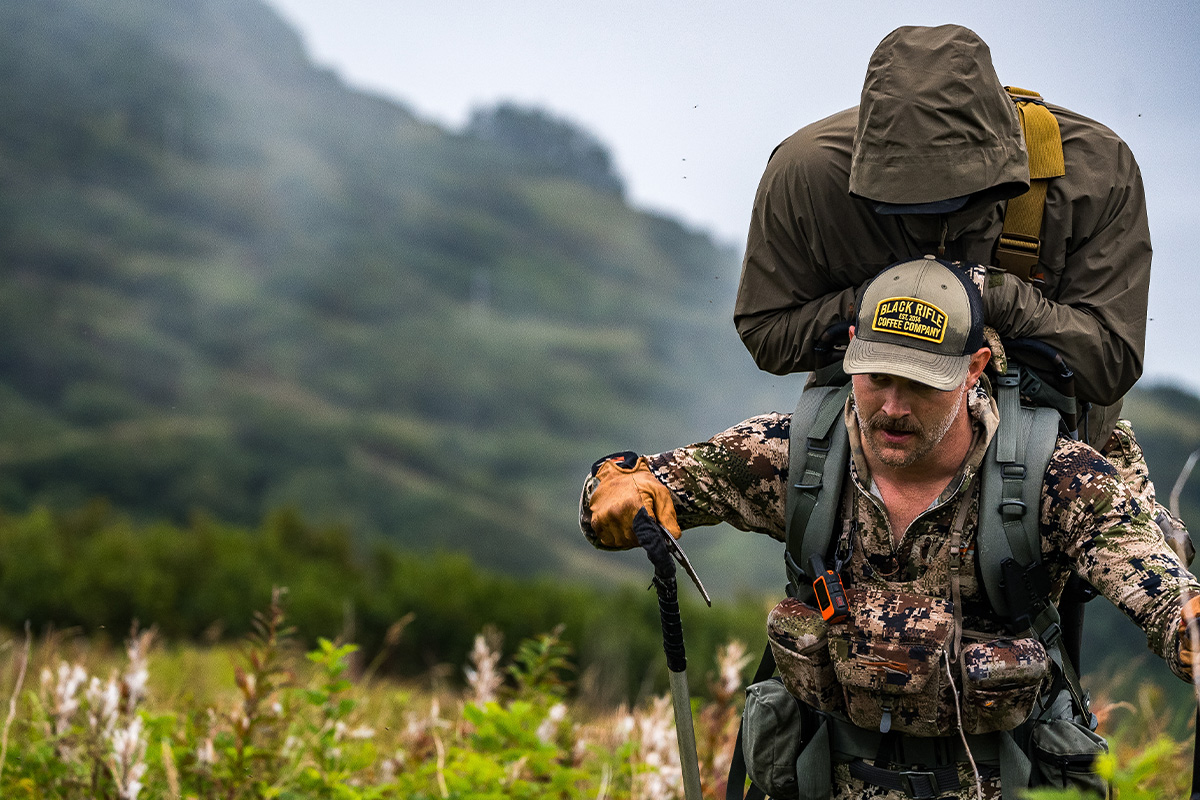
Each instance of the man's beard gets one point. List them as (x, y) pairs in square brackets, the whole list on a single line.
[(923, 444)]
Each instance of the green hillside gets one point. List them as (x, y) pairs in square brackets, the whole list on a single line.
[(232, 284)]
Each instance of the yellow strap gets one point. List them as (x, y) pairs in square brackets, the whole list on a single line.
[(1043, 140), (1020, 244)]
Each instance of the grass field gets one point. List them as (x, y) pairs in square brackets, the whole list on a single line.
[(146, 719)]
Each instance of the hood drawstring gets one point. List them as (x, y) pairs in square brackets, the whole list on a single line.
[(942, 242)]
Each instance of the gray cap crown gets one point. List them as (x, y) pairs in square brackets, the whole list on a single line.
[(921, 320)]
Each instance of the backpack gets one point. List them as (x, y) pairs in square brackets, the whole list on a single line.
[(1009, 557)]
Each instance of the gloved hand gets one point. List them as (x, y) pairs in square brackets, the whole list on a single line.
[(1189, 634), (620, 485)]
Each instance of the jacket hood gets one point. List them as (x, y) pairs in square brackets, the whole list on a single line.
[(934, 122)]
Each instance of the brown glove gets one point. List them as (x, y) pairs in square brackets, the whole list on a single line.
[(618, 486), (1189, 634)]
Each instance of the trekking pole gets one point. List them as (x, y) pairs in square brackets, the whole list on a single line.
[(1184, 474), (661, 549)]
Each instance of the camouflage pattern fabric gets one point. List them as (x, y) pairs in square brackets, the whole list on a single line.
[(1001, 680), (1093, 518), (1126, 455), (799, 639), (1090, 519), (891, 660), (847, 787)]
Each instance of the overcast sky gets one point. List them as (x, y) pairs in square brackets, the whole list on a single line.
[(692, 97)]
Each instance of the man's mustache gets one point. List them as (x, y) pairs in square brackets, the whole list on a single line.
[(880, 421)]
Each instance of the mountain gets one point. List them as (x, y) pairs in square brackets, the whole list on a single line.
[(232, 284)]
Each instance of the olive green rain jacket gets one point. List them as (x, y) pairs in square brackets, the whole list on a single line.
[(935, 122)]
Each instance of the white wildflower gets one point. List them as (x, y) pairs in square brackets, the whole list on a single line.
[(581, 747), (549, 726), (391, 767), (206, 752), (731, 660), (483, 676), (137, 673), (626, 727), (659, 751), (291, 746), (66, 695), (103, 701), (128, 764)]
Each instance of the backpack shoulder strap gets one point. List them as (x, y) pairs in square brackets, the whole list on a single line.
[(818, 441), (1011, 478), (1020, 243), (1008, 542)]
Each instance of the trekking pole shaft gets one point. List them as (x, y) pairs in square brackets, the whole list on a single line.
[(689, 762), (681, 699), (650, 535), (672, 628)]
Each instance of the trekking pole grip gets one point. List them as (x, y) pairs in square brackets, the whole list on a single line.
[(650, 536)]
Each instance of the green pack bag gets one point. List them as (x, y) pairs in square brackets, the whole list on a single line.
[(1063, 750), (772, 737)]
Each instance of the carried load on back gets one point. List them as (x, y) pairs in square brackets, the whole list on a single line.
[(963, 268), (951, 518)]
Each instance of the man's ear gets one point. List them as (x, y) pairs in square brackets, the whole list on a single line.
[(851, 331), (979, 360)]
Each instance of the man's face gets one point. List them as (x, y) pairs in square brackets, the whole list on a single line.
[(927, 228), (902, 421)]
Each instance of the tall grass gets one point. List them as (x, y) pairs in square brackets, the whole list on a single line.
[(265, 719)]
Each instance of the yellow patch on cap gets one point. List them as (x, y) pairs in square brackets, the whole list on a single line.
[(908, 316)]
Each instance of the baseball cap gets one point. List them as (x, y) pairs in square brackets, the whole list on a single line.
[(919, 319)]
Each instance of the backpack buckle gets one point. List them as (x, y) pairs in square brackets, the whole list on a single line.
[(1051, 635), (1012, 507), (1018, 253), (818, 445), (919, 784)]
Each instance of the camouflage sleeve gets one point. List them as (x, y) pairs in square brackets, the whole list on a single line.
[(737, 476), (1093, 522)]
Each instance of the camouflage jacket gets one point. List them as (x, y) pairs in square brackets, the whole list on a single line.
[(1094, 519)]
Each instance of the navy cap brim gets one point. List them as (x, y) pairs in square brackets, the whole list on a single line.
[(946, 206)]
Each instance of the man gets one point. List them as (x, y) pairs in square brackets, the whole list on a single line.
[(919, 420), (926, 164)]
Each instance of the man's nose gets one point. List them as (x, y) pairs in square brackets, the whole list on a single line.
[(896, 402)]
